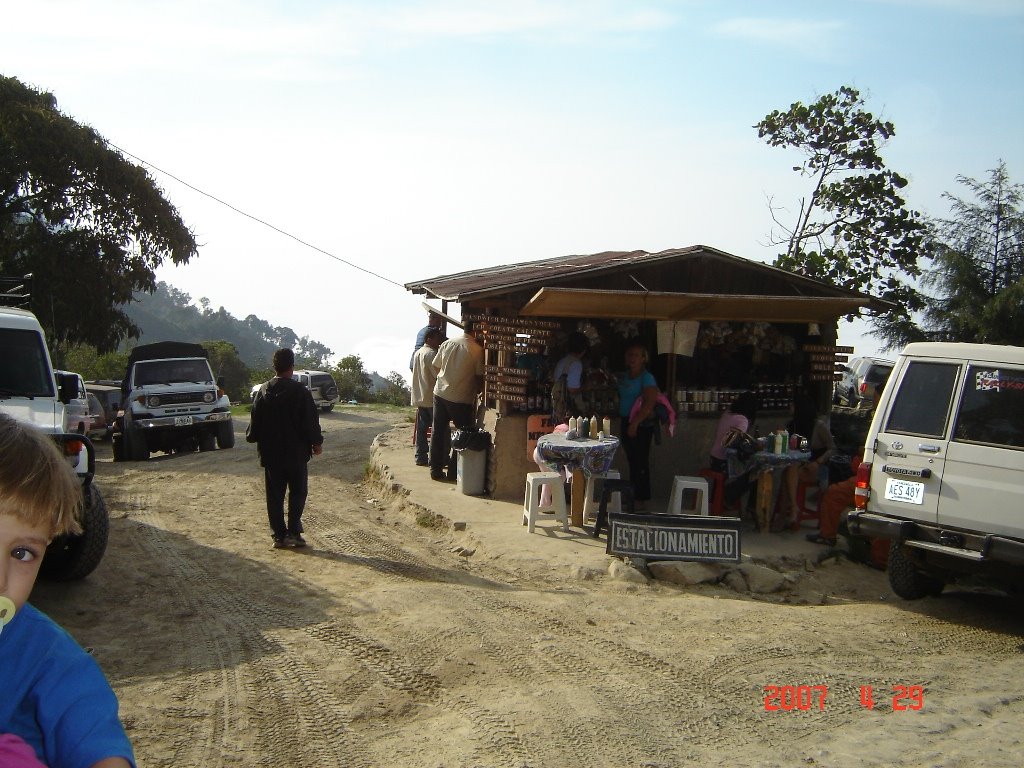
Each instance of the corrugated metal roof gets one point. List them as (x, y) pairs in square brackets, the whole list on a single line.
[(480, 283)]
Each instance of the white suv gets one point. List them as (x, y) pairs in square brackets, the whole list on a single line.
[(30, 393), (76, 409), (321, 386), (943, 471)]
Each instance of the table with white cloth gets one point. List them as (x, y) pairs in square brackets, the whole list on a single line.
[(584, 457), (768, 468)]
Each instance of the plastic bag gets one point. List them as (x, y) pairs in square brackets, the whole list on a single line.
[(471, 439)]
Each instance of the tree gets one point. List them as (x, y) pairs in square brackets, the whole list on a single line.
[(978, 268), (84, 359), (854, 229), (396, 392), (313, 354), (88, 224), (353, 382), (225, 362)]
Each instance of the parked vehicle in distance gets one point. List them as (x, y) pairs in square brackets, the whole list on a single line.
[(943, 471), (108, 392), (862, 378), (321, 386), (171, 402), (76, 408), (99, 427)]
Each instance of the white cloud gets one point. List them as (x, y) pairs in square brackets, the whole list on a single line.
[(812, 37)]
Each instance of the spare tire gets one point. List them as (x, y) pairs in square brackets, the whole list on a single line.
[(74, 557)]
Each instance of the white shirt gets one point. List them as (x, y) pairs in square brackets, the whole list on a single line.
[(423, 377), (458, 363)]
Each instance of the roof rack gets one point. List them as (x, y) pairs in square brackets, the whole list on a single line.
[(15, 291)]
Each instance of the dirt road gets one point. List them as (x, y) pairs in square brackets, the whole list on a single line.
[(380, 646)]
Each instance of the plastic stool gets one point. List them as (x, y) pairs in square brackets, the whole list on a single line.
[(806, 512), (590, 503), (716, 486), (531, 504), (679, 485), (624, 489)]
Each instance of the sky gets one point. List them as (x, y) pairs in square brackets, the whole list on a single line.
[(406, 139)]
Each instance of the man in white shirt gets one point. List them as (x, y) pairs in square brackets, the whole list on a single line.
[(423, 379), (459, 363)]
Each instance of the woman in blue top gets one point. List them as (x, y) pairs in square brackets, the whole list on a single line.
[(637, 382)]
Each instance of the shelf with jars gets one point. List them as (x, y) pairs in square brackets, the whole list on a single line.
[(714, 400)]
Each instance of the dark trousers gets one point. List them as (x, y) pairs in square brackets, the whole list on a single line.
[(424, 420), (445, 412), (295, 479), (638, 454)]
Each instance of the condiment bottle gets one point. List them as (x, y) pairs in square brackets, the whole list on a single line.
[(607, 424), (783, 441), (572, 423), (593, 428)]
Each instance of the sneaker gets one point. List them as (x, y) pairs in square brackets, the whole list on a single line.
[(422, 463), (283, 542), (297, 540), (439, 476)]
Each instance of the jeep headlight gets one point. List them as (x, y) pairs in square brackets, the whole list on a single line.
[(209, 397), (153, 401)]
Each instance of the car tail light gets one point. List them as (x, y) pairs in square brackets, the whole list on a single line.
[(863, 387), (862, 490), (73, 447)]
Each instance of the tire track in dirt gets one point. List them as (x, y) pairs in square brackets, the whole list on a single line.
[(483, 616), (251, 661)]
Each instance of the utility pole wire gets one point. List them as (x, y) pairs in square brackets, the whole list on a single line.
[(255, 218)]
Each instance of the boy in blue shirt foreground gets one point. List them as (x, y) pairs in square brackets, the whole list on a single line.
[(55, 696)]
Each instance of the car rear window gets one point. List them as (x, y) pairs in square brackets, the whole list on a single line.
[(992, 407), (922, 402), (877, 374)]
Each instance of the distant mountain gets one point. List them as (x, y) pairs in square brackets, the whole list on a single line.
[(168, 314)]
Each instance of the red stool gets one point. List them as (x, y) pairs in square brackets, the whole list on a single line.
[(805, 512), (716, 486)]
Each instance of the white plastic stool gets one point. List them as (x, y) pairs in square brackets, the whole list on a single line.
[(531, 504), (679, 485), (594, 495)]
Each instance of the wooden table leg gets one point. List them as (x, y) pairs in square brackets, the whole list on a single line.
[(763, 507), (579, 496)]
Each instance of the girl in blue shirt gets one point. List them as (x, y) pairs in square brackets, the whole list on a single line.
[(55, 696), (637, 382)]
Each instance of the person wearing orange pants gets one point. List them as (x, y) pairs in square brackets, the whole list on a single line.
[(836, 498)]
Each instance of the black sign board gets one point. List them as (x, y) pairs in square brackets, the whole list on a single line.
[(675, 537)]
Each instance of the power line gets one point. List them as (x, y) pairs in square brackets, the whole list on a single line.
[(255, 218)]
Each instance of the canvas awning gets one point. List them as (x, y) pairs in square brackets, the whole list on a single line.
[(653, 305)]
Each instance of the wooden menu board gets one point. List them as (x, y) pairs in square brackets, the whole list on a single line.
[(518, 335), (826, 361)]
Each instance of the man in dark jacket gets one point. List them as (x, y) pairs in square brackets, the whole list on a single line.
[(286, 429)]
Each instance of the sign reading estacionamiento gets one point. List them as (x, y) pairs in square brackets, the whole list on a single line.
[(675, 537)]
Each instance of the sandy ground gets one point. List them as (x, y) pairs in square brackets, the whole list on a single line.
[(389, 643)]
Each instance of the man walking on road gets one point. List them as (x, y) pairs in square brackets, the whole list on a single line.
[(459, 363), (423, 379), (286, 429)]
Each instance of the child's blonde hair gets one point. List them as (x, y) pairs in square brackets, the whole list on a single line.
[(37, 485)]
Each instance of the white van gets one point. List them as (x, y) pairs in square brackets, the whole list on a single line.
[(943, 471)]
